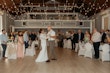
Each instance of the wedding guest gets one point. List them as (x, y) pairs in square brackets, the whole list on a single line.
[(103, 36), (72, 40), (87, 37), (4, 40), (12, 36), (51, 39), (108, 35), (20, 45), (75, 40), (29, 33), (108, 39), (96, 39), (16, 37), (60, 40), (26, 39), (68, 37), (78, 38), (33, 36)]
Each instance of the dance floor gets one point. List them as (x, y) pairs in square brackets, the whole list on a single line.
[(67, 62)]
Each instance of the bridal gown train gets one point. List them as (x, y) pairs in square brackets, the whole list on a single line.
[(42, 57)]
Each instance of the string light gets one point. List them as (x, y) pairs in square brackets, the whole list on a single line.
[(92, 6)]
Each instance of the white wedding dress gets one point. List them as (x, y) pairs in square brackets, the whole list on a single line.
[(42, 57)]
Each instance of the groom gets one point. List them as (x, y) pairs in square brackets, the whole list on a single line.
[(51, 39)]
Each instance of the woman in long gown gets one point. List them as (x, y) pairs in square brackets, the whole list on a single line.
[(42, 57), (20, 46)]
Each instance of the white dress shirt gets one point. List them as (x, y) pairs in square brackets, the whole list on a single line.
[(25, 36), (96, 37), (79, 36), (51, 33), (3, 38)]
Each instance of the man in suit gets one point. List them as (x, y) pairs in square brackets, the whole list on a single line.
[(79, 37), (72, 39)]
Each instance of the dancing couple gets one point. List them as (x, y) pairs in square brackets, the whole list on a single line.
[(43, 55)]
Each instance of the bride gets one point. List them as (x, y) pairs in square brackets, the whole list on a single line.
[(42, 57)]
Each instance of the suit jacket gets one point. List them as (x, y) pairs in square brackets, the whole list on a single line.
[(103, 37), (72, 37), (76, 39)]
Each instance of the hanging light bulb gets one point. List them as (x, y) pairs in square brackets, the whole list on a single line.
[(90, 3), (66, 1), (106, 0), (73, 4), (99, 7)]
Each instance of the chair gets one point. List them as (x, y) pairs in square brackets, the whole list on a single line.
[(89, 51), (36, 42), (11, 51), (65, 43), (81, 49), (30, 51), (56, 43), (69, 46), (105, 53)]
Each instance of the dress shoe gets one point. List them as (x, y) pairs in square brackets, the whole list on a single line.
[(48, 61), (53, 59)]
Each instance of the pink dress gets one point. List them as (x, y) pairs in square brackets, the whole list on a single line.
[(20, 47)]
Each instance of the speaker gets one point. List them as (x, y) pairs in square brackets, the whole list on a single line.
[(24, 23), (80, 23)]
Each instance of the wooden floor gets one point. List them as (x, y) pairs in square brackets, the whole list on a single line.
[(67, 62)]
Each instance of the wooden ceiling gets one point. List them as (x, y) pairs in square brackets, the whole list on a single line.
[(89, 7)]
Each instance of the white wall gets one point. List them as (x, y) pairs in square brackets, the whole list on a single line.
[(7, 22), (98, 18), (56, 24), (0, 23)]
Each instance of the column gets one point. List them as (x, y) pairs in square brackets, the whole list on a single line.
[(109, 22), (91, 26)]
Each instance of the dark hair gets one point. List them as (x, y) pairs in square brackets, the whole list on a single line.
[(19, 33), (107, 30), (3, 30), (40, 30)]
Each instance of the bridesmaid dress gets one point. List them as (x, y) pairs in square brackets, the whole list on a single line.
[(20, 47)]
